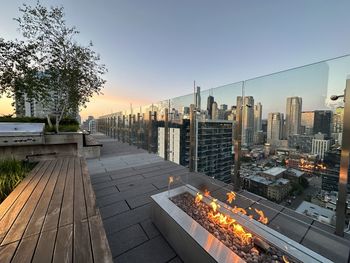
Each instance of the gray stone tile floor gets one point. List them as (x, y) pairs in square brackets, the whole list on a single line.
[(125, 177)]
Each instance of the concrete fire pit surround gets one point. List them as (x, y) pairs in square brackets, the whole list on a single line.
[(193, 243)]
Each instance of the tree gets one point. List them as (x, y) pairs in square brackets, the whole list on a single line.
[(18, 74), (65, 74)]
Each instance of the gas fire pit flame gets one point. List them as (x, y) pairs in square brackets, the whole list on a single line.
[(231, 196), (226, 228), (214, 205), (198, 198), (263, 219), (206, 193)]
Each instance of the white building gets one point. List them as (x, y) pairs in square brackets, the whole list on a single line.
[(174, 144), (319, 213), (320, 146)]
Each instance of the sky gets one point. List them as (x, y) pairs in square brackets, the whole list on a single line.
[(155, 49)]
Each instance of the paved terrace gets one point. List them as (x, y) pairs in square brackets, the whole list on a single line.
[(125, 177)]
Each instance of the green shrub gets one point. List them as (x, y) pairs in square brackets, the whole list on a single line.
[(66, 124), (64, 121), (12, 173)]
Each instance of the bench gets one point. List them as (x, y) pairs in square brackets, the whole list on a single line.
[(92, 148), (51, 216)]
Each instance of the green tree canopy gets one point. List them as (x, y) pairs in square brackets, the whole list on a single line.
[(50, 66)]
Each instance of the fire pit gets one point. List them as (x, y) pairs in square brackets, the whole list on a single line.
[(200, 228)]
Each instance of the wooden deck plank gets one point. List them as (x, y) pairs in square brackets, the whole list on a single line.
[(7, 251), (66, 216), (82, 245), (79, 199), (12, 213), (45, 247), (100, 246), (36, 222), (53, 212), (63, 246), (90, 197), (12, 197), (23, 218), (25, 250)]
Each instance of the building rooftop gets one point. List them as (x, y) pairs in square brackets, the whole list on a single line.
[(295, 172), (274, 171), (259, 179), (319, 213), (282, 181)]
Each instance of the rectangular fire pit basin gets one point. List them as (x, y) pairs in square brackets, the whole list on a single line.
[(193, 243)]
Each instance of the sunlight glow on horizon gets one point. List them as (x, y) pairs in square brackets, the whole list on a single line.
[(98, 105)]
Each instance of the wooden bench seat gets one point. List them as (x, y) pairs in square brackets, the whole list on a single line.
[(51, 216)]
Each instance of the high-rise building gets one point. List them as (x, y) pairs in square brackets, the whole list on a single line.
[(198, 98), (320, 145), (174, 144), (307, 122), (247, 114), (322, 122), (214, 149), (337, 122), (210, 105), (274, 127), (293, 116), (257, 121), (215, 111)]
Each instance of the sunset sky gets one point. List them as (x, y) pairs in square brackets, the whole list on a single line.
[(154, 49)]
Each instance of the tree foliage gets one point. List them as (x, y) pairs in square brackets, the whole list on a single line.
[(50, 66)]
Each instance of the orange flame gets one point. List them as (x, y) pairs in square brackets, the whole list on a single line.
[(263, 219), (199, 198), (229, 223), (214, 205), (206, 193), (226, 221), (231, 196), (285, 259), (239, 210)]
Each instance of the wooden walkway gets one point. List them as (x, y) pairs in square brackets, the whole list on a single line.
[(51, 216)]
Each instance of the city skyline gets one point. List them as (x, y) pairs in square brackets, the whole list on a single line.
[(157, 54)]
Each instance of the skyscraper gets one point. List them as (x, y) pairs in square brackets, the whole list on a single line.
[(246, 106), (257, 120), (307, 122), (198, 98), (215, 111), (274, 127), (322, 122), (293, 116), (210, 105)]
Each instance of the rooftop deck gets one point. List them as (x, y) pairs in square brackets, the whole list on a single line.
[(51, 216), (124, 179)]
